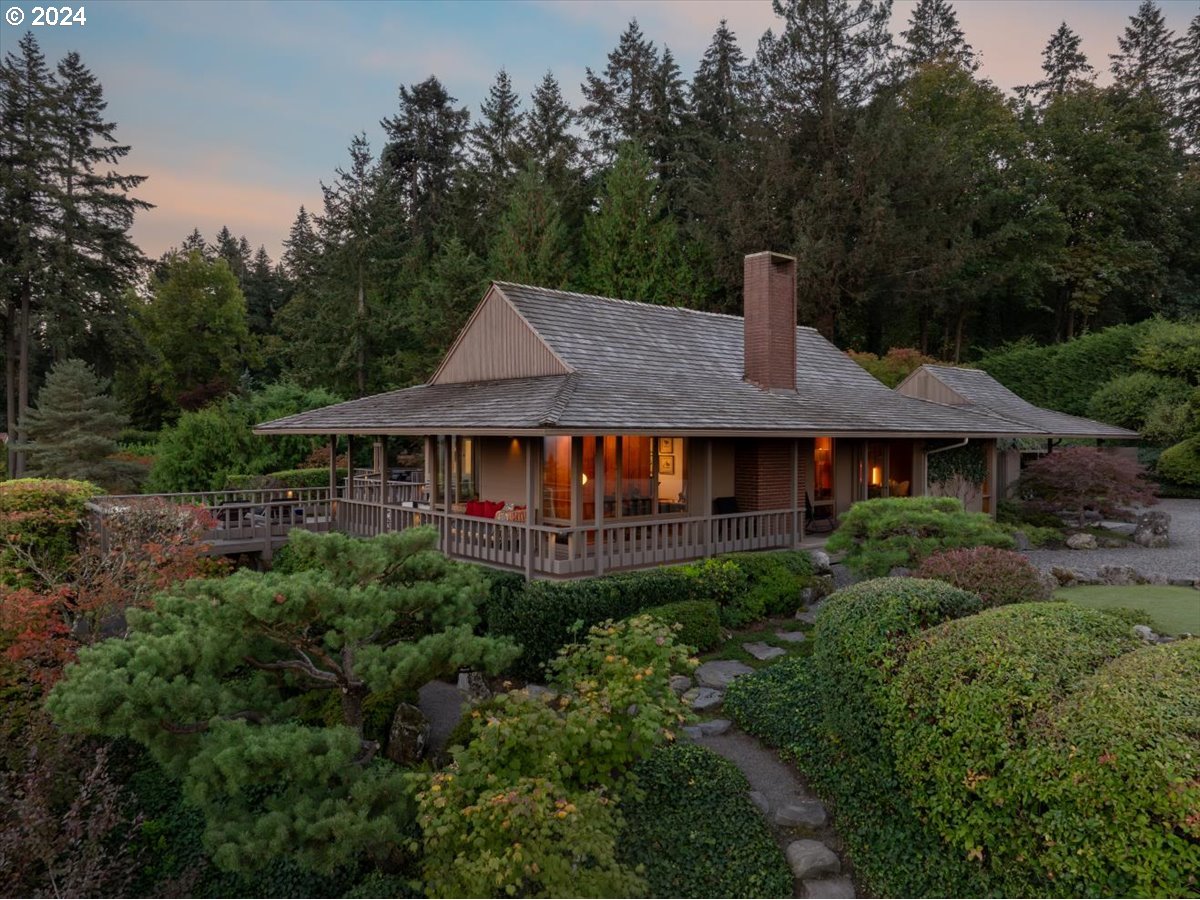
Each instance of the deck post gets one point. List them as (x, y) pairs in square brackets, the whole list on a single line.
[(329, 513), (349, 467), (529, 509), (795, 485), (708, 493), (447, 473), (599, 487), (381, 465)]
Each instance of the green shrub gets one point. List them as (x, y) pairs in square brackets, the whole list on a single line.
[(699, 621), (1181, 464), (40, 517), (692, 827), (999, 577), (959, 716), (774, 581), (1126, 399), (1171, 348), (286, 478), (1117, 762), (880, 534)]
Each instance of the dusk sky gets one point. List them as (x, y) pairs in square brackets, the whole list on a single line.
[(237, 111)]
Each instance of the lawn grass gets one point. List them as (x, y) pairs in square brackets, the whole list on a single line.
[(1175, 609), (761, 631)]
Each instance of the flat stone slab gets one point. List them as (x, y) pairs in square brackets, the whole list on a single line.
[(812, 859), (719, 673), (759, 799), (1125, 528), (792, 637), (762, 651), (711, 728), (809, 614), (805, 814), (680, 683), (829, 888), (702, 698)]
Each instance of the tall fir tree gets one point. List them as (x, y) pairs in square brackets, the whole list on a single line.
[(1065, 67), (301, 249), (263, 286), (1189, 86), (494, 139), (546, 136), (1147, 60), (934, 34), (530, 245), (235, 252), (619, 102), (720, 88)]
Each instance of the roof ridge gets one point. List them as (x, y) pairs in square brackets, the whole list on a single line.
[(562, 399)]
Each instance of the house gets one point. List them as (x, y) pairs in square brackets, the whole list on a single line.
[(569, 435)]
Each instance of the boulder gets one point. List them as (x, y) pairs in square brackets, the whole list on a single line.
[(804, 814), (1124, 528), (829, 888), (473, 686), (702, 698), (762, 651), (809, 613), (541, 692), (760, 800), (1067, 577), (1119, 575), (712, 727), (792, 637), (1153, 529), (899, 572), (680, 683), (812, 859), (407, 736), (1021, 540), (1082, 541), (820, 561), (719, 673)]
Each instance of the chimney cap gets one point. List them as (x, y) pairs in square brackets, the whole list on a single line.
[(772, 254)]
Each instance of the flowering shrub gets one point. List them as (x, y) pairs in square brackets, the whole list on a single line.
[(998, 576), (39, 519), (1076, 480)]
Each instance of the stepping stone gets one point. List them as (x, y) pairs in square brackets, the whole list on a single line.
[(680, 683), (805, 814), (792, 637), (812, 859), (829, 888), (702, 698), (719, 673), (809, 614), (713, 727), (541, 692), (759, 799), (762, 651)]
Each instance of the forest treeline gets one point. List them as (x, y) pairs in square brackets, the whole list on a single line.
[(927, 207)]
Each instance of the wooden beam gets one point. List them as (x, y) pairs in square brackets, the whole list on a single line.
[(792, 501), (330, 511), (349, 467), (708, 492), (599, 487), (529, 507)]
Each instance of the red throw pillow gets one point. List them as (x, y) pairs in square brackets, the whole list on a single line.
[(474, 508), (491, 507)]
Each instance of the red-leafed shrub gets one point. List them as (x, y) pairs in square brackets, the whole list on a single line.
[(39, 521), (1076, 480), (894, 366), (999, 577)]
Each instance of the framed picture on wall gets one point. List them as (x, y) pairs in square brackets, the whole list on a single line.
[(666, 464), (666, 445)]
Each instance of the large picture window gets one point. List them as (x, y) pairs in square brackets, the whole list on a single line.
[(556, 478), (822, 470), (643, 476)]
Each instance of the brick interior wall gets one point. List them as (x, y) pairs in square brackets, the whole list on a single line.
[(763, 474)]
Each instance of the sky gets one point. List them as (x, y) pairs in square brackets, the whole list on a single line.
[(238, 110)]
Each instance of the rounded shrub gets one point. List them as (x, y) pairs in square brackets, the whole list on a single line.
[(42, 517), (699, 622), (774, 581), (960, 712), (999, 577), (692, 827), (1126, 399), (1117, 766), (1180, 464)]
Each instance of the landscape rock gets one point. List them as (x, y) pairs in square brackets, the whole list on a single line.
[(829, 888), (899, 572), (1119, 575), (702, 698), (1125, 528), (407, 736), (1082, 541), (1067, 577), (712, 727), (792, 637), (680, 683), (719, 673), (809, 613), (541, 692), (807, 596), (820, 561), (812, 859), (1153, 529), (759, 799), (1021, 540), (473, 685), (762, 651), (804, 814)]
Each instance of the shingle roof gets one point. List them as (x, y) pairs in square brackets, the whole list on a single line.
[(641, 367), (982, 391)]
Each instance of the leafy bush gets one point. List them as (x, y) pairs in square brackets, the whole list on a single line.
[(896, 365), (999, 577), (693, 829), (774, 581), (1171, 348), (1077, 480), (699, 622), (960, 714), (286, 478), (879, 534), (39, 521), (1127, 399), (204, 448), (1116, 761), (1181, 464)]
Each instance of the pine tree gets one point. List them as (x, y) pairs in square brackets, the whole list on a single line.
[(630, 244), (619, 103), (301, 249), (73, 431), (934, 34), (424, 152), (1147, 61), (235, 252), (1064, 65), (495, 136), (720, 88), (195, 241), (670, 141), (263, 287), (1189, 86), (546, 137), (530, 245), (255, 691)]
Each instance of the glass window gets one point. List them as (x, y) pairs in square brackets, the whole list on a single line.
[(467, 488), (637, 465), (556, 478), (822, 469), (672, 475), (876, 463)]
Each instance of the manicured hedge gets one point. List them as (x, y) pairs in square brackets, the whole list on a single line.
[(1181, 464), (999, 577), (287, 478), (878, 535), (692, 826), (700, 621), (960, 713)]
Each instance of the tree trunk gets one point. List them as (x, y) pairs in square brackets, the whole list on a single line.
[(361, 337), (10, 385), (22, 375), (352, 707), (959, 320)]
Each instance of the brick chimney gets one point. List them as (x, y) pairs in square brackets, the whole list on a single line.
[(769, 327)]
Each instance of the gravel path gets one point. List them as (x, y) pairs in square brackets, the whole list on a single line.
[(1180, 560)]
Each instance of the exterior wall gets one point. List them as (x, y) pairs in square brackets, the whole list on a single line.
[(769, 328), (502, 469), (724, 467), (924, 386), (763, 479), (497, 344), (843, 473), (973, 497)]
